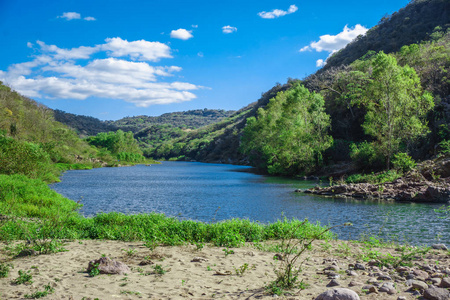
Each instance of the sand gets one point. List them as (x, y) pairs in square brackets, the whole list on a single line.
[(184, 279)]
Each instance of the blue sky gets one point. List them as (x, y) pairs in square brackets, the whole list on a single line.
[(111, 59)]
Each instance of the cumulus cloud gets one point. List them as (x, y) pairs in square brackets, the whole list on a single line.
[(120, 70), (278, 12), (332, 43), (70, 16), (74, 16), (181, 34), (320, 63), (136, 50), (228, 29)]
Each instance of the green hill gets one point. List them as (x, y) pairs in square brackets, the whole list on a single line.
[(411, 24)]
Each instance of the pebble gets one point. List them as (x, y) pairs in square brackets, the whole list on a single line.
[(351, 273), (333, 283), (445, 283), (354, 283), (359, 267), (436, 281), (419, 284), (384, 277), (436, 294), (439, 247)]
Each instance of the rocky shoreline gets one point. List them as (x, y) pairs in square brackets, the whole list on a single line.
[(429, 182)]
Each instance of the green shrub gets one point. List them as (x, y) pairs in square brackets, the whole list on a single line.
[(403, 162), (366, 156)]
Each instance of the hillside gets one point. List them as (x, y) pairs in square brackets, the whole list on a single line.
[(217, 142), (83, 125), (411, 24), (185, 119)]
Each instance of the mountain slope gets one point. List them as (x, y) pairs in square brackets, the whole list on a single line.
[(411, 24)]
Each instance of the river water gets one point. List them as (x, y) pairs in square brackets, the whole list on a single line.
[(214, 192)]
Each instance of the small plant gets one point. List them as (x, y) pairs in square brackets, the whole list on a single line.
[(48, 289), (130, 252), (4, 269), (158, 269), (94, 271), (125, 292), (241, 270), (208, 268), (227, 252), (151, 244), (292, 248), (403, 162), (24, 278), (199, 246)]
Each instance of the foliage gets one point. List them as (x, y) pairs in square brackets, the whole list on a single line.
[(48, 289), (378, 178), (366, 156), (403, 162), (56, 219), (4, 269), (396, 105), (19, 157), (292, 248), (24, 278), (290, 134)]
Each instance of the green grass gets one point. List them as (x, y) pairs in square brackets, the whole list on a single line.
[(37, 212), (382, 177)]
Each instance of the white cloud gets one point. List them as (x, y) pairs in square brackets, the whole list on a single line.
[(229, 29), (194, 26), (278, 12), (306, 48), (70, 16), (122, 73), (320, 63), (181, 34), (136, 50), (74, 16), (332, 43), (30, 45), (200, 54)]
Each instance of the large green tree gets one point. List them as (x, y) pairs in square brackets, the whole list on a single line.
[(290, 134), (396, 104)]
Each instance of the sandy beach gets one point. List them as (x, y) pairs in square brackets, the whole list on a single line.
[(212, 274)]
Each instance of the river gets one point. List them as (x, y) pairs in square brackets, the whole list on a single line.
[(214, 192)]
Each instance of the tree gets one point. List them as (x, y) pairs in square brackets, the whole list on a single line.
[(396, 105), (290, 134)]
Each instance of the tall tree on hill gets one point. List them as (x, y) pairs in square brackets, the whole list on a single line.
[(396, 104), (290, 134)]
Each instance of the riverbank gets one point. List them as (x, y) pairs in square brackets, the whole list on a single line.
[(209, 272), (428, 182)]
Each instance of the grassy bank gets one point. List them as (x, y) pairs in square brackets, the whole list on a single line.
[(31, 210)]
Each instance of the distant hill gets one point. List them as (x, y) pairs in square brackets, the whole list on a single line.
[(411, 24), (218, 142), (190, 119), (83, 125)]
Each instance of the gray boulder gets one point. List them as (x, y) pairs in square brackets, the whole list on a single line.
[(338, 294), (436, 294), (105, 265)]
